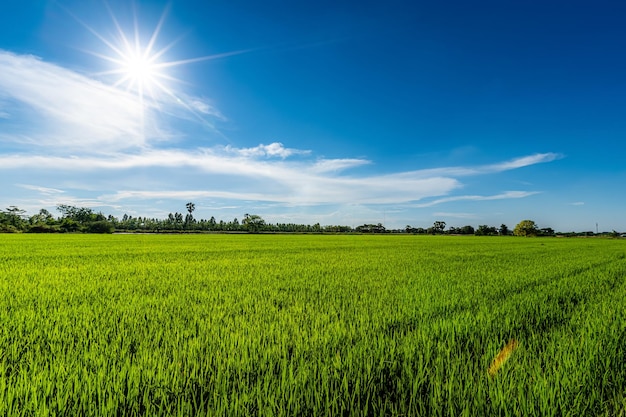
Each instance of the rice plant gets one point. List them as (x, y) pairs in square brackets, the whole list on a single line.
[(284, 325)]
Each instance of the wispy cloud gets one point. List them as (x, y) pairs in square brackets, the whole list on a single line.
[(76, 113), (515, 163), (248, 174), (42, 190), (524, 161), (302, 189), (275, 149), (336, 165), (205, 107), (73, 111), (578, 203), (503, 196)]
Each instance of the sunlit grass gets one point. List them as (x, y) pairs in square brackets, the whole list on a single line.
[(502, 357), (310, 325)]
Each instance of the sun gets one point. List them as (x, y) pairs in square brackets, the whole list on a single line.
[(139, 70), (138, 66)]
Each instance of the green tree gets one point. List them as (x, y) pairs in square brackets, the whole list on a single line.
[(81, 215), (100, 226), (43, 217), (69, 225), (189, 217), (484, 230), (80, 218), (15, 216), (371, 228), (12, 219), (42, 222), (467, 230), (526, 228), (438, 227), (504, 230), (252, 222), (178, 220)]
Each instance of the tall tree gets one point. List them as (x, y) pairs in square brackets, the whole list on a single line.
[(79, 214), (43, 217), (252, 222), (438, 227), (189, 217), (178, 220), (526, 228), (14, 217)]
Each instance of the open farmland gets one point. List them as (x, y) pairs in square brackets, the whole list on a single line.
[(311, 325)]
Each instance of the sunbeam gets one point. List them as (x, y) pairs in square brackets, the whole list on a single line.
[(141, 68)]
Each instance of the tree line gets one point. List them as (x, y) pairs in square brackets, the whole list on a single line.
[(86, 220), (523, 228)]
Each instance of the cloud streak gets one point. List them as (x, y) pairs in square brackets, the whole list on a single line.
[(248, 174), (42, 190), (504, 196), (75, 112), (300, 183), (521, 162), (272, 150)]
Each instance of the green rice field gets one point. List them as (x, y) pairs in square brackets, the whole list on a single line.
[(311, 325)]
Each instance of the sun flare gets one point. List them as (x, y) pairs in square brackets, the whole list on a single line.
[(136, 66), (140, 70)]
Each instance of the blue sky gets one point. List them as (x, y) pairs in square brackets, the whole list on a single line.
[(334, 112)]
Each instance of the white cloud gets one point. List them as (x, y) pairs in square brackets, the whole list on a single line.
[(503, 196), (76, 113), (275, 149), (578, 203), (310, 190), (205, 108), (493, 168), (73, 111), (243, 176), (335, 165), (42, 190), (524, 161)]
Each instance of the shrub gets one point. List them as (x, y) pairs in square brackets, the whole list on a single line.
[(69, 225), (100, 227), (44, 228)]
